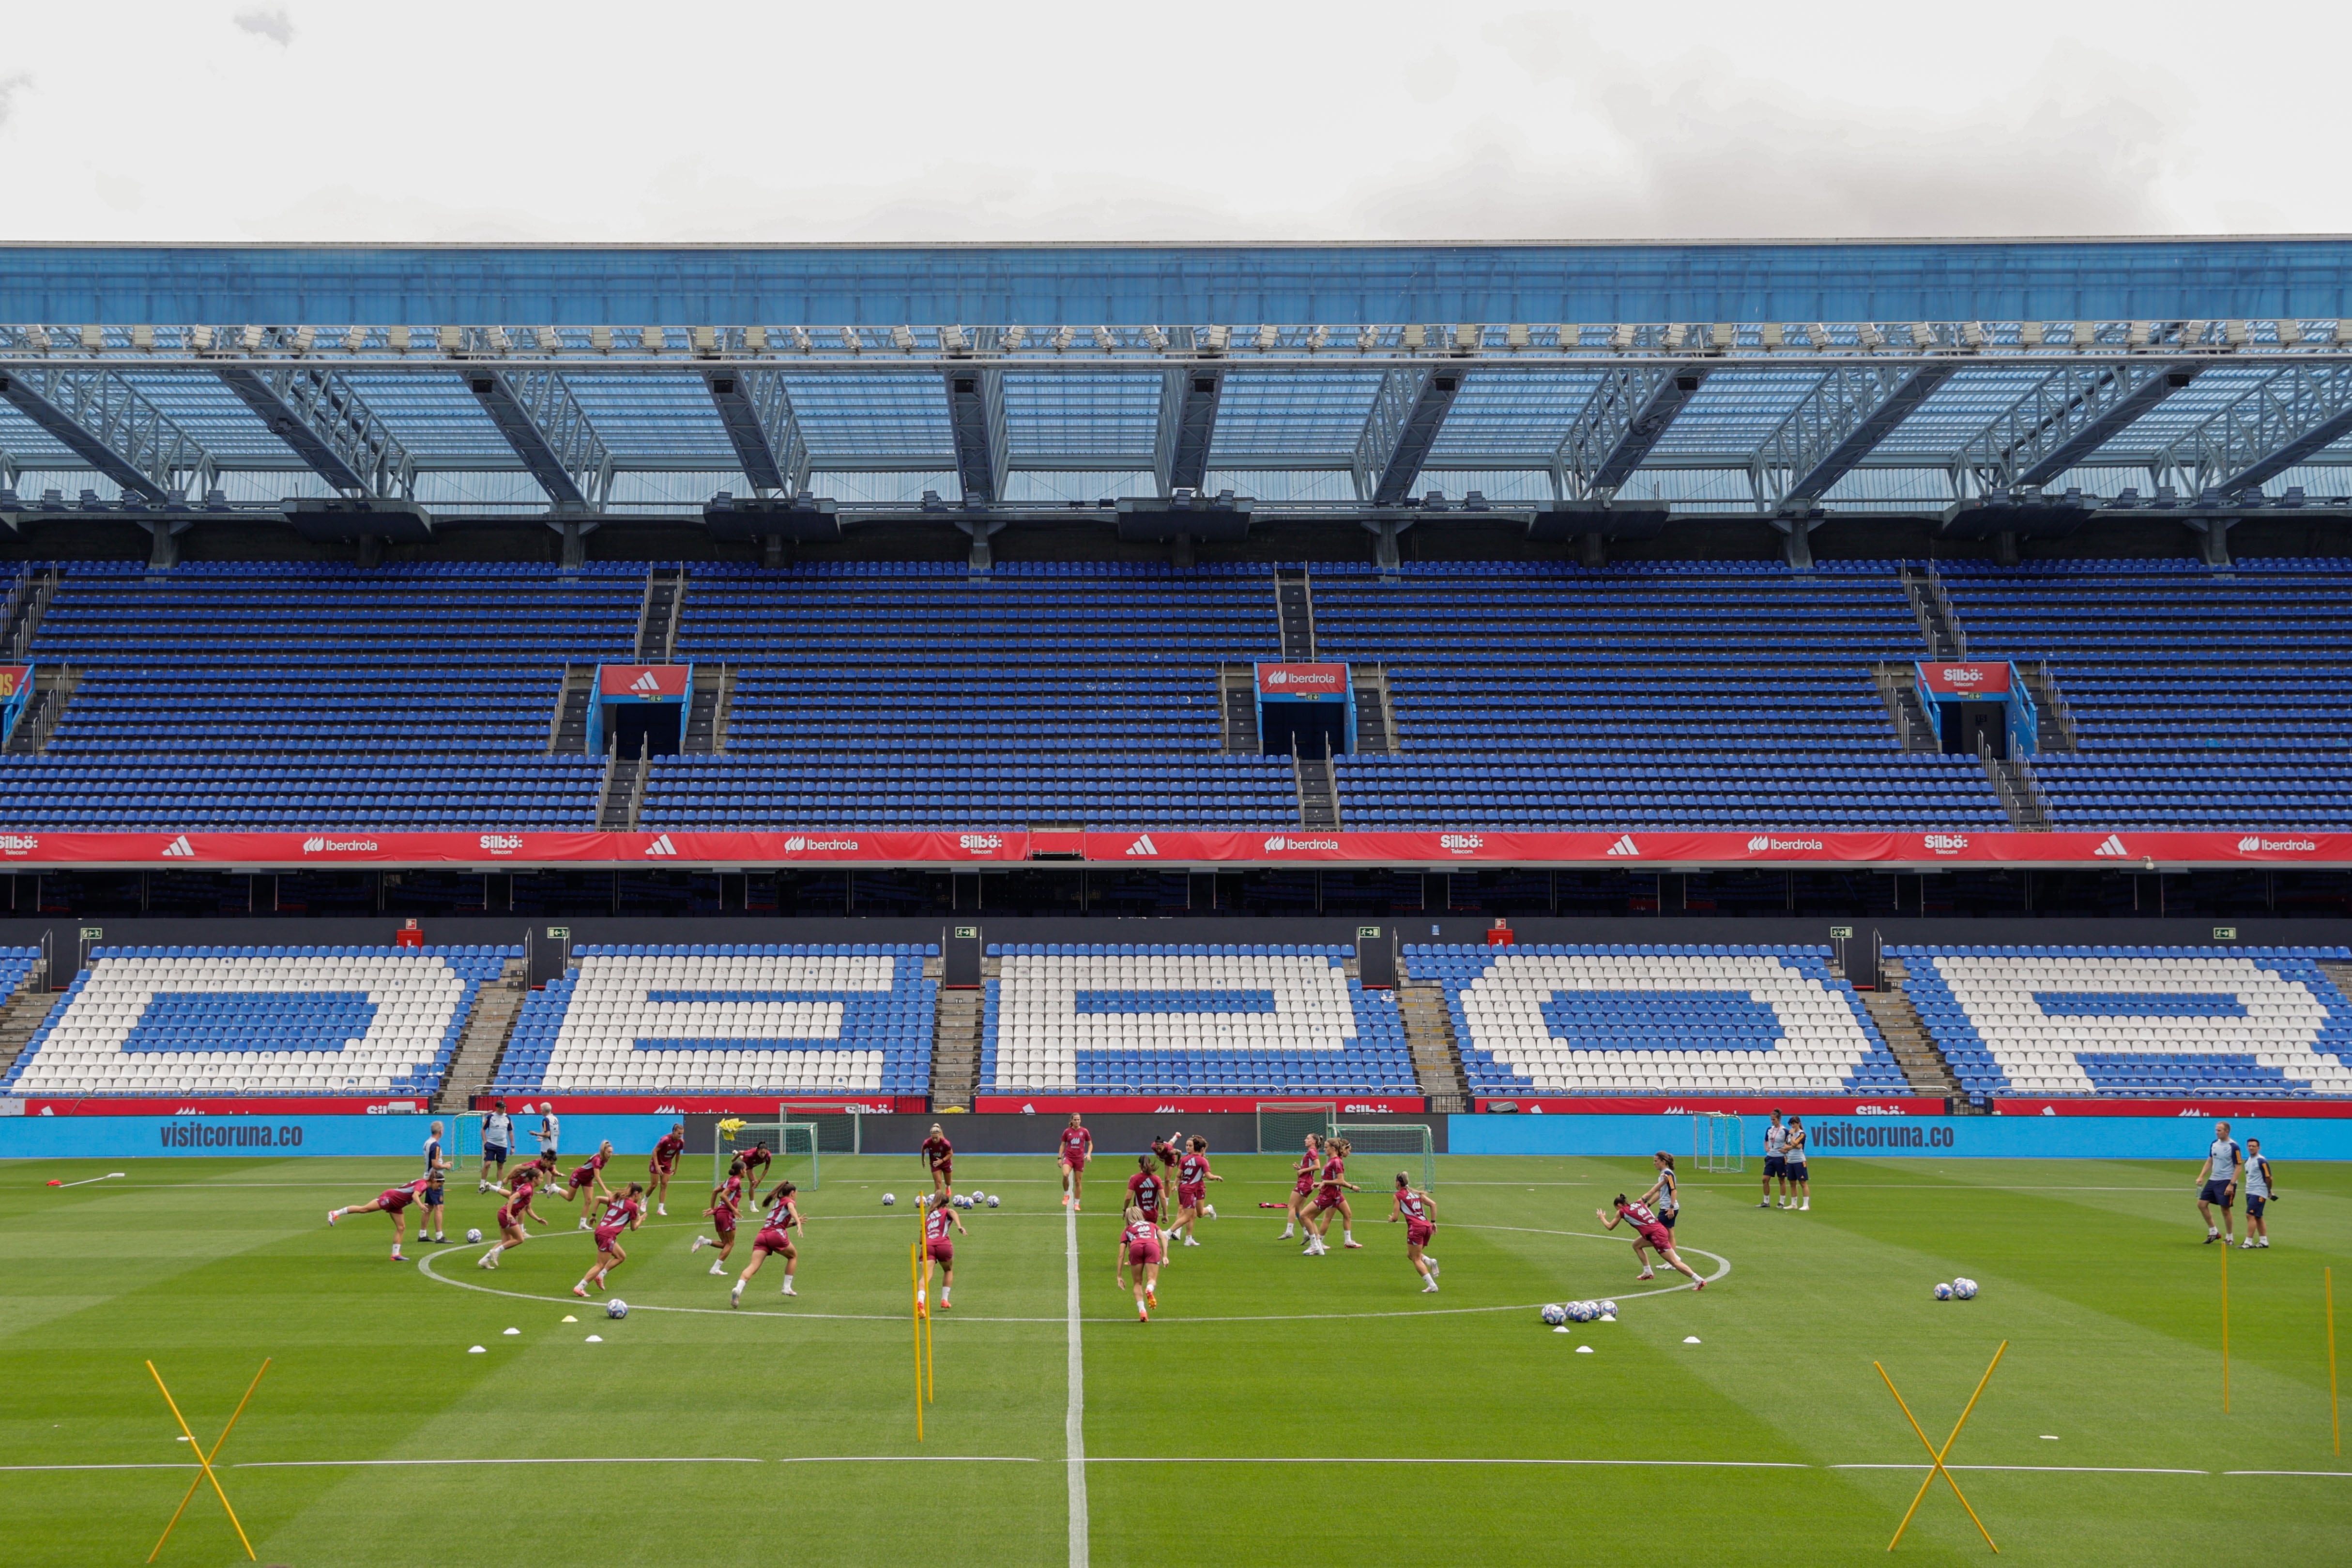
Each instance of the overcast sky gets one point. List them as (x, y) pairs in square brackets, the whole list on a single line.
[(782, 120)]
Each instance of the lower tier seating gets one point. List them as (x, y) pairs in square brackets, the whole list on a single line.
[(212, 1021), (846, 1019), (2134, 1023), (1200, 1018), (1563, 1020)]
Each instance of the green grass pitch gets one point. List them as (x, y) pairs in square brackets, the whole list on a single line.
[(1279, 1410)]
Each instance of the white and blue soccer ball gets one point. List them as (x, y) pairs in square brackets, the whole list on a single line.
[(616, 1308), (1608, 1309), (1580, 1312), (1944, 1292), (474, 1235), (976, 1195), (963, 1201), (1554, 1314), (993, 1200), (1966, 1290), (889, 1198)]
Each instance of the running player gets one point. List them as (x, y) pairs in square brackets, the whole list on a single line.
[(1776, 1142), (1792, 1166), (392, 1201), (1303, 1188), (1078, 1147), (588, 1182), (756, 1160), (1648, 1236), (1147, 1189), (664, 1163), (2261, 1189), (938, 1249), (2218, 1182), (1329, 1196), (726, 1203), (1139, 1247), (1664, 1198), (624, 1213), (775, 1236), (428, 1210), (497, 1141), (1416, 1207), (511, 1215), (939, 1155), (1168, 1151), (1192, 1178)]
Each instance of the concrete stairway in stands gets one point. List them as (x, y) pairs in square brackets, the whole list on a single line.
[(1915, 1051), (1436, 1058), (496, 1007), (22, 1015), (955, 1050)]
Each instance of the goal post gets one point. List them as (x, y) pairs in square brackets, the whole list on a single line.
[(792, 1144), (839, 1130), (466, 1139), (1408, 1141), (1718, 1143), (1283, 1125)]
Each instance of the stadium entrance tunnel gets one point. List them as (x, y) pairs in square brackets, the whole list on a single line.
[(1307, 730), (646, 730), (1967, 727)]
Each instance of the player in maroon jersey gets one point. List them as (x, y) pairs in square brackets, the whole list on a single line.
[(726, 1203), (1303, 1188), (542, 1172), (1648, 1236), (659, 1169), (938, 1249), (392, 1201), (1330, 1196), (1418, 1212), (588, 1182), (756, 1160), (1078, 1147), (1140, 1247), (1147, 1189), (1168, 1151), (775, 1236), (624, 1213), (511, 1215), (939, 1155), (1192, 1178)]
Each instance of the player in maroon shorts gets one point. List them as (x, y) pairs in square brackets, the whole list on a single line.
[(542, 1172), (511, 1216), (1303, 1188), (588, 1182), (1418, 1211), (939, 1155), (1139, 1245), (938, 1249), (1330, 1195), (756, 1160), (1192, 1178), (775, 1236), (1168, 1151), (1649, 1235), (624, 1213), (664, 1162), (1078, 1147), (726, 1203), (1147, 1189), (390, 1201)]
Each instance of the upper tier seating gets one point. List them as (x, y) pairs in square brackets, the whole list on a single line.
[(2201, 698), (1205, 1019), (210, 1021), (16, 965), (2135, 1022), (852, 1019), (1563, 1019)]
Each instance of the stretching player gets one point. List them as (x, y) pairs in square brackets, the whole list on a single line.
[(659, 1169), (1303, 1188), (2261, 1188), (624, 1213), (1662, 1196), (775, 1236), (588, 1182), (1192, 1178), (1168, 1151), (511, 1215), (1330, 1196), (756, 1160), (1078, 1147), (1415, 1208), (390, 1201), (498, 1139), (2218, 1183), (939, 1155), (1146, 1190), (1138, 1246), (428, 1210), (938, 1249), (726, 1203), (1648, 1236)]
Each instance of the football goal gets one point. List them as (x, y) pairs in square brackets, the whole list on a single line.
[(838, 1131), (1379, 1143), (792, 1144), (1718, 1143), (1283, 1125)]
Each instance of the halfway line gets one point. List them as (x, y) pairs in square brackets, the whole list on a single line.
[(1074, 1423)]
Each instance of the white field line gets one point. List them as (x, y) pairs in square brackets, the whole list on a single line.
[(1074, 1421), (1083, 1460)]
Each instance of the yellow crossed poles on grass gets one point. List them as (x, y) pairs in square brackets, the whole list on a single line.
[(205, 1461), (1937, 1454)]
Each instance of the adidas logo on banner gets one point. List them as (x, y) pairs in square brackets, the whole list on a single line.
[(2113, 847), (181, 848), (645, 682), (661, 846), (1144, 846), (1625, 846)]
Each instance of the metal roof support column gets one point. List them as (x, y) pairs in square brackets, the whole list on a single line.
[(106, 424), (316, 412), (2302, 410), (1620, 422), (2070, 415), (1189, 419), (757, 411), (1403, 427), (1849, 410), (550, 431), (976, 416)]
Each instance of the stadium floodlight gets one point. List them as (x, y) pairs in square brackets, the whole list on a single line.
[(706, 341), (250, 338), (2290, 333), (1318, 339), (1515, 336), (1368, 338), (142, 336), (1621, 337), (1972, 334), (1772, 335), (451, 340), (200, 339), (1819, 334), (93, 339), (1268, 336), (1105, 340), (495, 339), (1468, 336), (1674, 336), (952, 340), (802, 341), (851, 340), (903, 338), (1217, 339), (2084, 334), (394, 338), (1722, 335), (653, 339), (601, 338), (550, 339), (755, 340), (354, 339), (1157, 337), (1415, 336), (2235, 333), (1923, 335), (2138, 333), (2028, 334), (1868, 335)]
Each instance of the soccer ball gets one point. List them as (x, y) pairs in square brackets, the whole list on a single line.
[(963, 1201), (1579, 1311), (1608, 1309), (977, 1195), (993, 1200), (474, 1235), (1555, 1314), (1965, 1288), (1943, 1293), (616, 1308), (889, 1198)]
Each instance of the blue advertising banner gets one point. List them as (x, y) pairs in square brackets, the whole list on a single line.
[(179, 1137), (1958, 1137)]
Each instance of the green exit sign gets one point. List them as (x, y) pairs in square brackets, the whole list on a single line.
[(1841, 933), (559, 934), (1367, 933), (93, 934), (2225, 934), (967, 933)]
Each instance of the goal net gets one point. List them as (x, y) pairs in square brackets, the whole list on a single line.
[(1283, 1125), (793, 1146), (838, 1131), (1410, 1146), (1718, 1143)]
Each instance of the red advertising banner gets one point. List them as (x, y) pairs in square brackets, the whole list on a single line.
[(12, 678), (1293, 682), (230, 1106), (1184, 1105), (2187, 1110), (1691, 1105), (1966, 680), (642, 683), (763, 1104)]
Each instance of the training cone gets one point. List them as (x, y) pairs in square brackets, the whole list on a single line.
[(1584, 1350), (476, 1350), (1690, 1339)]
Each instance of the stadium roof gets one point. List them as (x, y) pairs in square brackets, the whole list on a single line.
[(1777, 380)]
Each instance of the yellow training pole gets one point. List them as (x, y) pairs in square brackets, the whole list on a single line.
[(914, 1301), (2334, 1414), (203, 1461), (2225, 1325), (1938, 1467), (189, 1495)]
